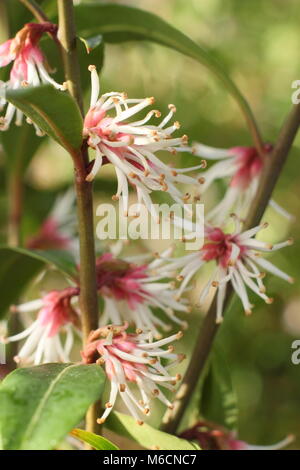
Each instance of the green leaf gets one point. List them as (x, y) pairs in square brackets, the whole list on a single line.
[(95, 56), (90, 52), (54, 111), (146, 435), (18, 266), (95, 441), (40, 405), (118, 23), (218, 398)]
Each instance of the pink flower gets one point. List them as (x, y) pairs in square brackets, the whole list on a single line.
[(6, 54), (214, 437), (58, 230), (133, 292), (48, 238), (43, 337), (132, 358), (29, 67), (238, 260), (242, 166), (132, 146)]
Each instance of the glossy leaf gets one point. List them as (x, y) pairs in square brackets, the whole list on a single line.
[(43, 105), (18, 267), (118, 23), (218, 399), (40, 405), (146, 435), (95, 441)]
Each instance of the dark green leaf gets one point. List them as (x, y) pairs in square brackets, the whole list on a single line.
[(218, 398), (18, 266), (95, 441), (146, 435), (40, 405), (54, 111), (119, 23)]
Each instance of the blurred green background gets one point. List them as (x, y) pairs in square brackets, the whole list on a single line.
[(258, 43)]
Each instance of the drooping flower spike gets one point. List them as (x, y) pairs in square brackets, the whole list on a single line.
[(211, 436), (133, 358), (134, 292), (242, 166), (131, 146), (43, 341), (29, 66), (238, 261)]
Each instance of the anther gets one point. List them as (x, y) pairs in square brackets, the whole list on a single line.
[(179, 335), (101, 420), (184, 139)]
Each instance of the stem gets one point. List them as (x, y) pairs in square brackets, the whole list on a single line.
[(207, 333), (35, 9), (68, 38), (88, 289)]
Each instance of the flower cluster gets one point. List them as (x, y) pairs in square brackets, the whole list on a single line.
[(44, 342), (238, 261), (133, 358), (241, 168), (132, 292), (29, 66), (131, 147), (143, 297), (57, 231)]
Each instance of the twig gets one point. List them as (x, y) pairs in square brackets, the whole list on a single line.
[(209, 328), (35, 9)]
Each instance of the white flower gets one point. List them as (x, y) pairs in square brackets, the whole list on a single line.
[(43, 341), (133, 293), (133, 358), (238, 261), (132, 146), (58, 230), (28, 67), (241, 167)]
